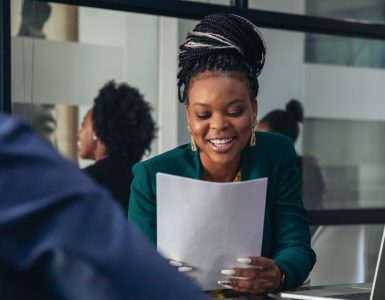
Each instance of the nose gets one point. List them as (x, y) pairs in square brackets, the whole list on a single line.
[(219, 122)]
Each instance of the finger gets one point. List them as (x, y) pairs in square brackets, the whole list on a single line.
[(184, 269), (175, 263), (242, 272), (252, 285), (225, 283), (262, 262)]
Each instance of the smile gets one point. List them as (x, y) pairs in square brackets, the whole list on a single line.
[(221, 144)]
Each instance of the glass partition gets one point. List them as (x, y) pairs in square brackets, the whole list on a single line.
[(340, 140), (359, 10), (63, 57)]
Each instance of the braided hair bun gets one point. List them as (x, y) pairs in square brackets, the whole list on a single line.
[(295, 110), (221, 42)]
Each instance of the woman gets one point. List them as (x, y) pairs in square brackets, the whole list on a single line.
[(286, 122), (219, 64), (116, 132)]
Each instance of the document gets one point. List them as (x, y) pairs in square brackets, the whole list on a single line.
[(208, 225)]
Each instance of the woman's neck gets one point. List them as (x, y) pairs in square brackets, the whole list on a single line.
[(219, 173)]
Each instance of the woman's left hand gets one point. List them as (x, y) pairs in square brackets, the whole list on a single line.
[(261, 277)]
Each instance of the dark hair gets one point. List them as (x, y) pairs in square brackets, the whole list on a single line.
[(225, 43), (286, 121), (122, 120)]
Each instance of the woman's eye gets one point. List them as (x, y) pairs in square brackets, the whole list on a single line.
[(235, 113), (203, 116)]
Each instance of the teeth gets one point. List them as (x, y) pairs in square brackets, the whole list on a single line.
[(221, 141)]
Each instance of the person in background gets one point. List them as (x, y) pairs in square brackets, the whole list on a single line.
[(116, 132), (286, 122), (63, 237), (218, 82)]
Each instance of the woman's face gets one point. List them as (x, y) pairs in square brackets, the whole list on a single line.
[(86, 141), (220, 112)]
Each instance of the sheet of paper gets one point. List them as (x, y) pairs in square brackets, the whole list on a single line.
[(208, 225)]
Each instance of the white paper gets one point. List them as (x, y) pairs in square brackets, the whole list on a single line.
[(208, 225)]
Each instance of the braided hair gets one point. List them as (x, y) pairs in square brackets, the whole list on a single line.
[(223, 43)]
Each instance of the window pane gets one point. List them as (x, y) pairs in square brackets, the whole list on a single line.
[(340, 140), (365, 10), (62, 55)]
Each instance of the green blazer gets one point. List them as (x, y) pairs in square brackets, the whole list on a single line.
[(286, 237)]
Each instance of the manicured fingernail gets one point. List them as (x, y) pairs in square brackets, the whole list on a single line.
[(184, 269), (225, 283), (175, 263), (244, 260), (228, 272)]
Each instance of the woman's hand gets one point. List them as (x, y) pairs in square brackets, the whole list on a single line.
[(181, 267), (262, 276)]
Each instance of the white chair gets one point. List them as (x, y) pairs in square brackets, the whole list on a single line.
[(340, 255)]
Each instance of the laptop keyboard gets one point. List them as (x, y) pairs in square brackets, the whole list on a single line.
[(358, 296)]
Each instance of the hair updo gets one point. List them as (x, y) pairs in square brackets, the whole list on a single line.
[(285, 121), (225, 43), (122, 120)]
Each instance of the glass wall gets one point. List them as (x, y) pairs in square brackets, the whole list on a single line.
[(62, 55), (360, 10)]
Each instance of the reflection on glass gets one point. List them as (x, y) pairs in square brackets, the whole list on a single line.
[(369, 10), (352, 156), (219, 2), (56, 124), (286, 122), (344, 51)]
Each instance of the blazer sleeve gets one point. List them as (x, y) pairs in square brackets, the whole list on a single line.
[(142, 204), (291, 239)]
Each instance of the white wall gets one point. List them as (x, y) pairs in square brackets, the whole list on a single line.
[(45, 71), (138, 36)]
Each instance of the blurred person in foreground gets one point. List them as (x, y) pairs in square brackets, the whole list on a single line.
[(62, 237)]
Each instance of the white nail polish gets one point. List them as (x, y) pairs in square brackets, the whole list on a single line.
[(225, 283), (175, 263), (244, 260), (228, 272), (184, 269)]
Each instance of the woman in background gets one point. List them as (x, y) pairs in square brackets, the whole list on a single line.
[(116, 132), (286, 122), (218, 82)]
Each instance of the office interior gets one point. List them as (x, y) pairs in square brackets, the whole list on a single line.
[(329, 55)]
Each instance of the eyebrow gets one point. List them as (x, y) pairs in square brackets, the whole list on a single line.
[(229, 103)]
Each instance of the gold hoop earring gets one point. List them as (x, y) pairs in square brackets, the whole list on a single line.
[(253, 140), (193, 145)]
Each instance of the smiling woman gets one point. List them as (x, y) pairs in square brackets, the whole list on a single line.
[(218, 81), (220, 113)]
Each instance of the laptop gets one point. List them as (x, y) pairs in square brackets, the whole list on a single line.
[(363, 291)]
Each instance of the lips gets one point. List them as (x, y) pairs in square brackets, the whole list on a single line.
[(221, 144)]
